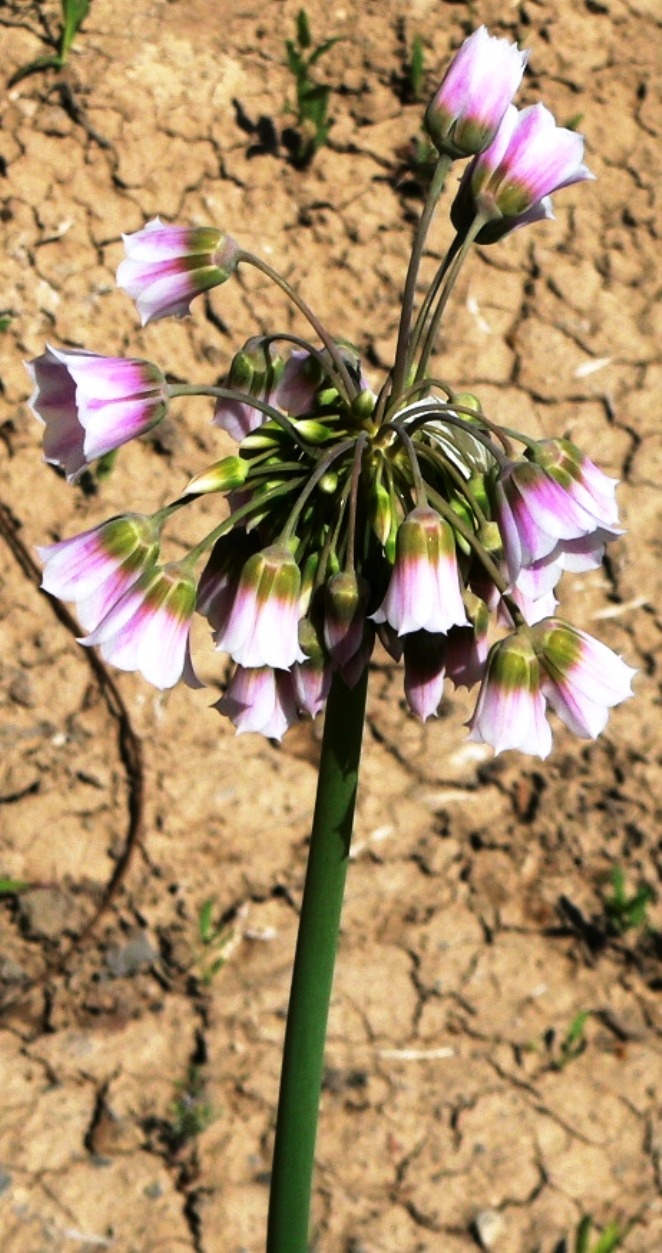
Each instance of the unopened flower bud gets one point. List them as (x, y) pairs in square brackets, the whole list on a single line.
[(466, 111), (380, 511), (222, 476), (344, 617)]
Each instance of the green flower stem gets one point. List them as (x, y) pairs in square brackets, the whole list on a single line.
[(436, 187), (303, 1056), (346, 387)]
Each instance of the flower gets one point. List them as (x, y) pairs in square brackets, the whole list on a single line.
[(511, 182), (424, 591), (166, 266), (534, 511), (147, 629), (312, 677), (260, 699), (510, 710), (91, 404), (262, 626), (347, 597), (466, 111), (424, 672), (96, 568), (582, 679)]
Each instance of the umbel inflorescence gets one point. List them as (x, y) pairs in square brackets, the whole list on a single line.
[(405, 513)]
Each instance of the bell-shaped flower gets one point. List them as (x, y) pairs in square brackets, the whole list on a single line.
[(588, 486), (91, 404), (166, 266), (148, 627), (96, 568), (534, 511), (219, 580), (262, 627), (512, 181), (466, 111), (582, 679), (510, 710), (312, 677), (347, 596), (425, 655), (467, 647), (301, 379), (424, 592), (261, 700)]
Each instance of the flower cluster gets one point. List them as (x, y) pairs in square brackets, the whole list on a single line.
[(403, 514)]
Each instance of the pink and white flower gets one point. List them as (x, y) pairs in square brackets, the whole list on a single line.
[(167, 266), (534, 511), (91, 404), (510, 710), (96, 568), (148, 627), (262, 626), (467, 647), (582, 679), (424, 592), (466, 111), (260, 699), (219, 580), (425, 655), (512, 181)]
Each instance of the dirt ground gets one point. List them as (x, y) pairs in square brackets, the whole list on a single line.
[(465, 1098)]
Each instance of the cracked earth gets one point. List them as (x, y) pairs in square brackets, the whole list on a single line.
[(138, 1098)]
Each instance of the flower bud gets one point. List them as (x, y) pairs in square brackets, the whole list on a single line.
[(222, 476), (465, 113), (380, 511), (347, 598)]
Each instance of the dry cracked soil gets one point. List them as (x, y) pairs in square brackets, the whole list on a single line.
[(494, 1067)]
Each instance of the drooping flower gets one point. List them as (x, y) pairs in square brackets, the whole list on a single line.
[(347, 596), (148, 627), (167, 266), (91, 404), (467, 647), (534, 511), (260, 699), (312, 677), (424, 672), (466, 111), (97, 567), (512, 181), (262, 627), (510, 710), (219, 580), (424, 591), (582, 679)]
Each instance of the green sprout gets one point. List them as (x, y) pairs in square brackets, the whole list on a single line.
[(74, 13), (190, 1112), (13, 887), (573, 1043), (622, 910), (5, 321), (312, 98), (416, 69), (611, 1237), (214, 941)]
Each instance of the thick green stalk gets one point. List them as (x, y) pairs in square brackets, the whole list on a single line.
[(312, 978)]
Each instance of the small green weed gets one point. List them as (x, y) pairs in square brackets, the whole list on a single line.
[(415, 70), (213, 943), (623, 910), (74, 13), (190, 1112), (5, 321), (13, 887), (573, 1043), (312, 98), (610, 1239)]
